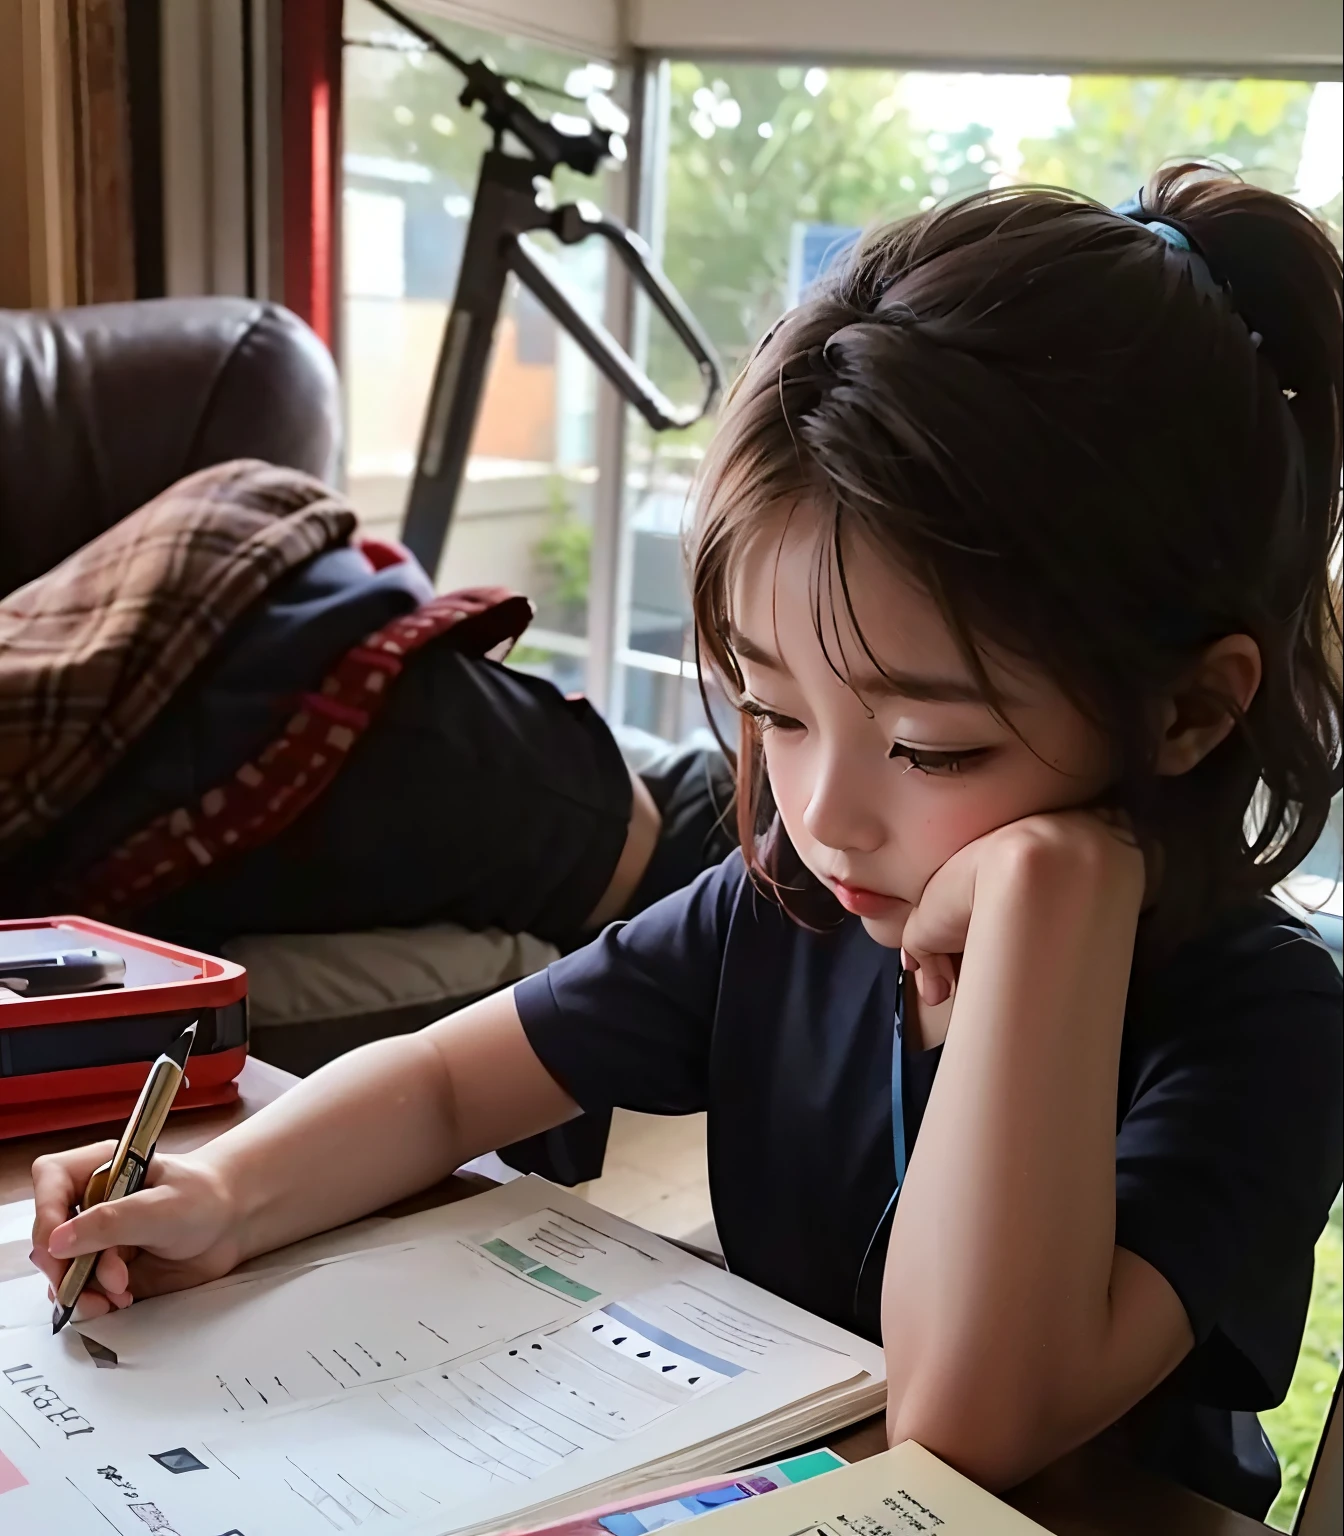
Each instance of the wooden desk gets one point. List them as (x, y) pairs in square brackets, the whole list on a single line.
[(1091, 1492)]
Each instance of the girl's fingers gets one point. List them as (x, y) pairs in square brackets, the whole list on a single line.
[(53, 1269), (91, 1304), (934, 975), (108, 1286), (113, 1273), (138, 1220), (58, 1186), (933, 989)]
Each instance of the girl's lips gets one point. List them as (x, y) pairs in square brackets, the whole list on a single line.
[(864, 903)]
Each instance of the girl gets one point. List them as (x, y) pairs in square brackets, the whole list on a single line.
[(1013, 552)]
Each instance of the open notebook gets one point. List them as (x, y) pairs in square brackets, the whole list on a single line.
[(507, 1360)]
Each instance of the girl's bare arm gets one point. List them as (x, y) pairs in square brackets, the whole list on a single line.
[(379, 1123), (1014, 1327)]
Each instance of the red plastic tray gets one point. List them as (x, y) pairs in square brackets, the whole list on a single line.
[(78, 1094)]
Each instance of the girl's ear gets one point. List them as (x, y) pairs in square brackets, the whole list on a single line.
[(1198, 713)]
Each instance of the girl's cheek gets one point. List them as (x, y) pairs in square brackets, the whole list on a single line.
[(949, 818), (957, 822)]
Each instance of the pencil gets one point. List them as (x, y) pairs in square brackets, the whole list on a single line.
[(125, 1170)]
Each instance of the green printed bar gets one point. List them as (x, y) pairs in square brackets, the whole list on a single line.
[(800, 1468), (564, 1284), (509, 1254)]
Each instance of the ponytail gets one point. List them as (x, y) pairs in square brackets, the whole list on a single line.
[(1282, 272), (1282, 276)]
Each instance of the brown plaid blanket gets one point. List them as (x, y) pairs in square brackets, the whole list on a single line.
[(92, 651)]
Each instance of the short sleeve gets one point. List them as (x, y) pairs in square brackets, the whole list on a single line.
[(626, 1021), (1229, 1157)]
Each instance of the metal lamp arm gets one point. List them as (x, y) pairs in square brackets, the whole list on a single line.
[(576, 222)]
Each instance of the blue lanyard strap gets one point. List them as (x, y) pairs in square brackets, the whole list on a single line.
[(898, 1101), (898, 1147)]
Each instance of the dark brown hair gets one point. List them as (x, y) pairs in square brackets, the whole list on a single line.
[(1090, 458)]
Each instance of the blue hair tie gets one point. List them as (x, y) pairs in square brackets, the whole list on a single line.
[(1179, 239), (1174, 234), (1171, 235)]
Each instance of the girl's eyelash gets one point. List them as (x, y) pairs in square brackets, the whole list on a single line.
[(927, 761), (767, 719), (921, 758)]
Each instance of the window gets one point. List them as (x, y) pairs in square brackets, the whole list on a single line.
[(411, 159), (769, 169)]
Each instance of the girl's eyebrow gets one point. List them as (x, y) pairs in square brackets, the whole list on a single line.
[(892, 684)]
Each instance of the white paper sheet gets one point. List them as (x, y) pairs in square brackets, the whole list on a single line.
[(277, 1341), (16, 1222), (551, 1412), (285, 1337), (24, 1302), (423, 1386)]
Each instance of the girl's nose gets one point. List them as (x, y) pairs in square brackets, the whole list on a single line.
[(837, 813)]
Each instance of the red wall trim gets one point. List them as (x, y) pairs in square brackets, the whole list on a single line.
[(311, 120)]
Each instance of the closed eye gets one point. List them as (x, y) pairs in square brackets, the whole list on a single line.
[(769, 719), (927, 761)]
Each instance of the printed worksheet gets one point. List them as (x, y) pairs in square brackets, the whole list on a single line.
[(552, 1412), (285, 1338), (123, 1486), (522, 1351), (438, 1449), (509, 1417)]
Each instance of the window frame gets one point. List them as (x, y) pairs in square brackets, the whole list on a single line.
[(646, 72)]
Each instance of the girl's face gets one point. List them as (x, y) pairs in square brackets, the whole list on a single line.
[(880, 780)]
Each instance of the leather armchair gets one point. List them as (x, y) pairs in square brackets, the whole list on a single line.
[(103, 407)]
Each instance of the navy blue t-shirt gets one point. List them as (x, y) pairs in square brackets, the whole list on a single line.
[(1229, 1122)]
